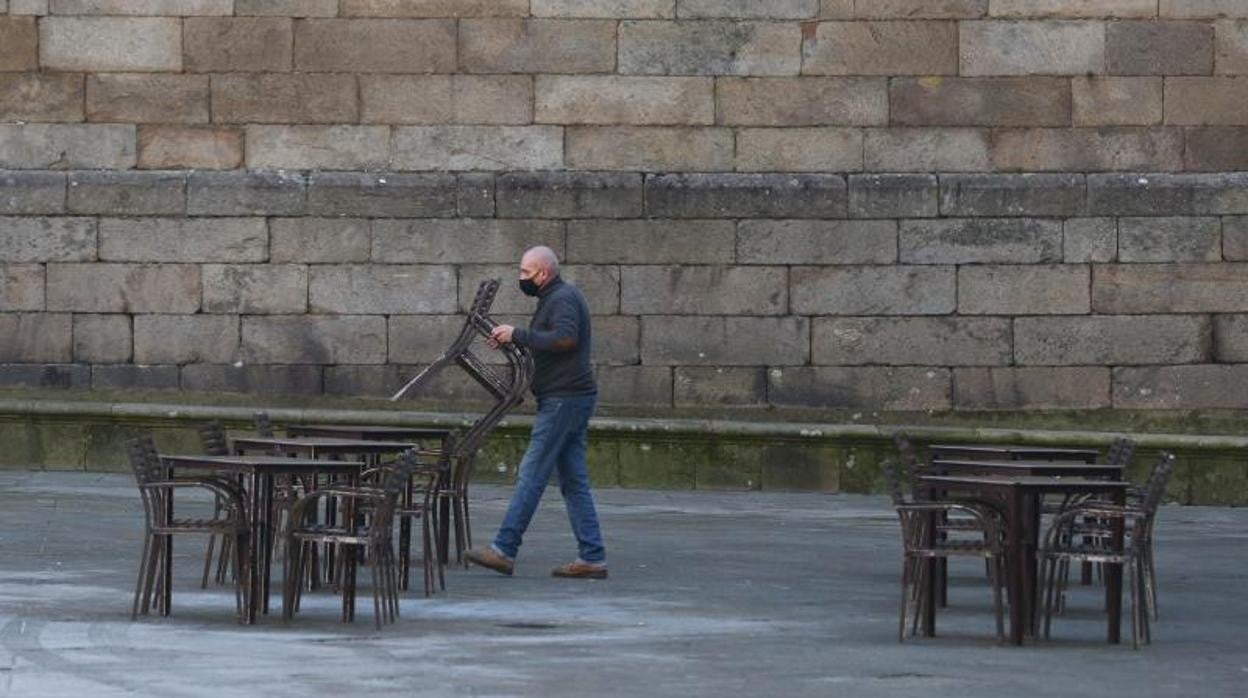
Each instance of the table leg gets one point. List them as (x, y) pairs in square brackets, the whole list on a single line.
[(927, 592), (266, 553), (257, 541), (1034, 503), (1017, 567), (165, 600), (1113, 578)]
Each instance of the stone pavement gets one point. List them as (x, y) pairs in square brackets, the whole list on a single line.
[(710, 594)]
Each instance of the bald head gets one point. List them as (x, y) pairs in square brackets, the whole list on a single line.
[(541, 258)]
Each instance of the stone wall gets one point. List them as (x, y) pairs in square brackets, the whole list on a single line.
[(903, 205)]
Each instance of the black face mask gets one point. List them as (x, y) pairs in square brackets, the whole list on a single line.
[(529, 287)]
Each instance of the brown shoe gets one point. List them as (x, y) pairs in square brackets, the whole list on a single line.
[(490, 558), (581, 570)]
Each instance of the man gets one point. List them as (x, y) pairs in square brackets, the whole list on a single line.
[(563, 383)]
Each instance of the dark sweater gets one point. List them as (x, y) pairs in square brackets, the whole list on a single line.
[(559, 335)]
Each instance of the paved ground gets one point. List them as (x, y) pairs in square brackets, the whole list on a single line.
[(710, 594)]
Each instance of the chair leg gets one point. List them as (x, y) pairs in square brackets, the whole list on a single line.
[(140, 587), (1150, 580), (212, 540), (905, 597), (1049, 577), (242, 576), (155, 563), (997, 608)]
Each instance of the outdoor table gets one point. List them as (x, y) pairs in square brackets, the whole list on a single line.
[(368, 432), (1017, 493), (317, 447), (944, 466), (1014, 452)]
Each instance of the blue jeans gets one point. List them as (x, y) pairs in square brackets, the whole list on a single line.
[(559, 440)]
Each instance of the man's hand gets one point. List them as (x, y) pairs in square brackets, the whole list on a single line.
[(501, 335)]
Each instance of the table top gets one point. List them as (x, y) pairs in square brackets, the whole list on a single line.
[(321, 444), (1014, 449), (369, 432), (200, 461), (1041, 482), (1027, 467)]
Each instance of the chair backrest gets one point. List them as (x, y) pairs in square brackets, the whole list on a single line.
[(486, 291), (895, 487), (212, 439), (393, 481), (1155, 488), (145, 462), (1120, 451), (264, 427)]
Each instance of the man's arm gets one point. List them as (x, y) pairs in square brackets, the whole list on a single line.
[(563, 335)]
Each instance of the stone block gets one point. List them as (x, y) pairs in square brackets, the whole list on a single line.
[(873, 290), (362, 381), (21, 287), (446, 99), (189, 148), (1208, 386), (478, 148), (237, 44), (1116, 101), (1235, 238), (1057, 195), (1159, 48), (816, 242), (111, 44), (286, 8), (600, 283), (1230, 48), (311, 339), (649, 386), (838, 9), (747, 9), (1170, 288), (569, 195), (980, 241), (375, 45), (317, 147), (1088, 150), (736, 464), (709, 47), (40, 96), (1113, 340), (1089, 240), (48, 376), (245, 193), (703, 290), (953, 101), (746, 196), (124, 288), (604, 9), (804, 467), (719, 386), (474, 195), (650, 241), (797, 150), (36, 337), (383, 290), (802, 101), (254, 380), (386, 194), (1217, 149), (284, 98), (617, 340), (1169, 240), (26, 193), (146, 98), (131, 377), (175, 8), (648, 148), (927, 150), (881, 48), (28, 7), (255, 288), (903, 389), (919, 341), (19, 44), (1231, 338), (663, 465), (1201, 101), (914, 9), (460, 240), (421, 339), (1032, 388), (434, 8), (1073, 9), (318, 240), (624, 99), (102, 339), (185, 339), (36, 239), (536, 46), (1042, 47), (1168, 194), (183, 240), (1034, 289), (67, 146), (1200, 9), (668, 340), (127, 193), (893, 196)]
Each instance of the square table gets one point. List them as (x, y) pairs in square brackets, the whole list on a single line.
[(369, 432), (1014, 452)]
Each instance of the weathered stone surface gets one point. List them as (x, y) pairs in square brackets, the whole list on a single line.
[(1033, 289), (1089, 240), (701, 386), (912, 9), (474, 194), (604, 9), (1231, 338), (1230, 48), (1113, 340), (1088, 150), (66, 146), (1047, 47), (102, 339), (48, 376), (461, 240), (124, 288), (387, 194), (600, 283), (919, 341), (176, 8), (382, 290), (21, 287), (1217, 149), (536, 46), (183, 240), (1116, 101), (1169, 240), (980, 241), (709, 48), (144, 98), (286, 8), (617, 339), (127, 193), (1235, 238), (311, 339), (802, 101), (1031, 388), (29, 239), (746, 196), (1058, 195), (900, 389), (650, 241), (1122, 9), (704, 290), (132, 377), (317, 147), (19, 43), (1210, 386), (952, 101), (816, 242), (318, 240), (927, 150), (434, 8), (39, 96), (635, 385), (255, 380), (363, 381), (797, 150), (623, 99), (28, 7), (1168, 194), (668, 340), (748, 9), (478, 148), (24, 193), (1213, 101), (185, 339), (569, 195), (648, 148), (255, 288), (284, 98), (893, 196), (881, 48), (1159, 48), (32, 337), (375, 45), (1170, 288), (189, 147), (236, 44), (111, 44), (839, 9), (421, 339), (244, 193), (446, 99), (871, 290), (1197, 9)]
